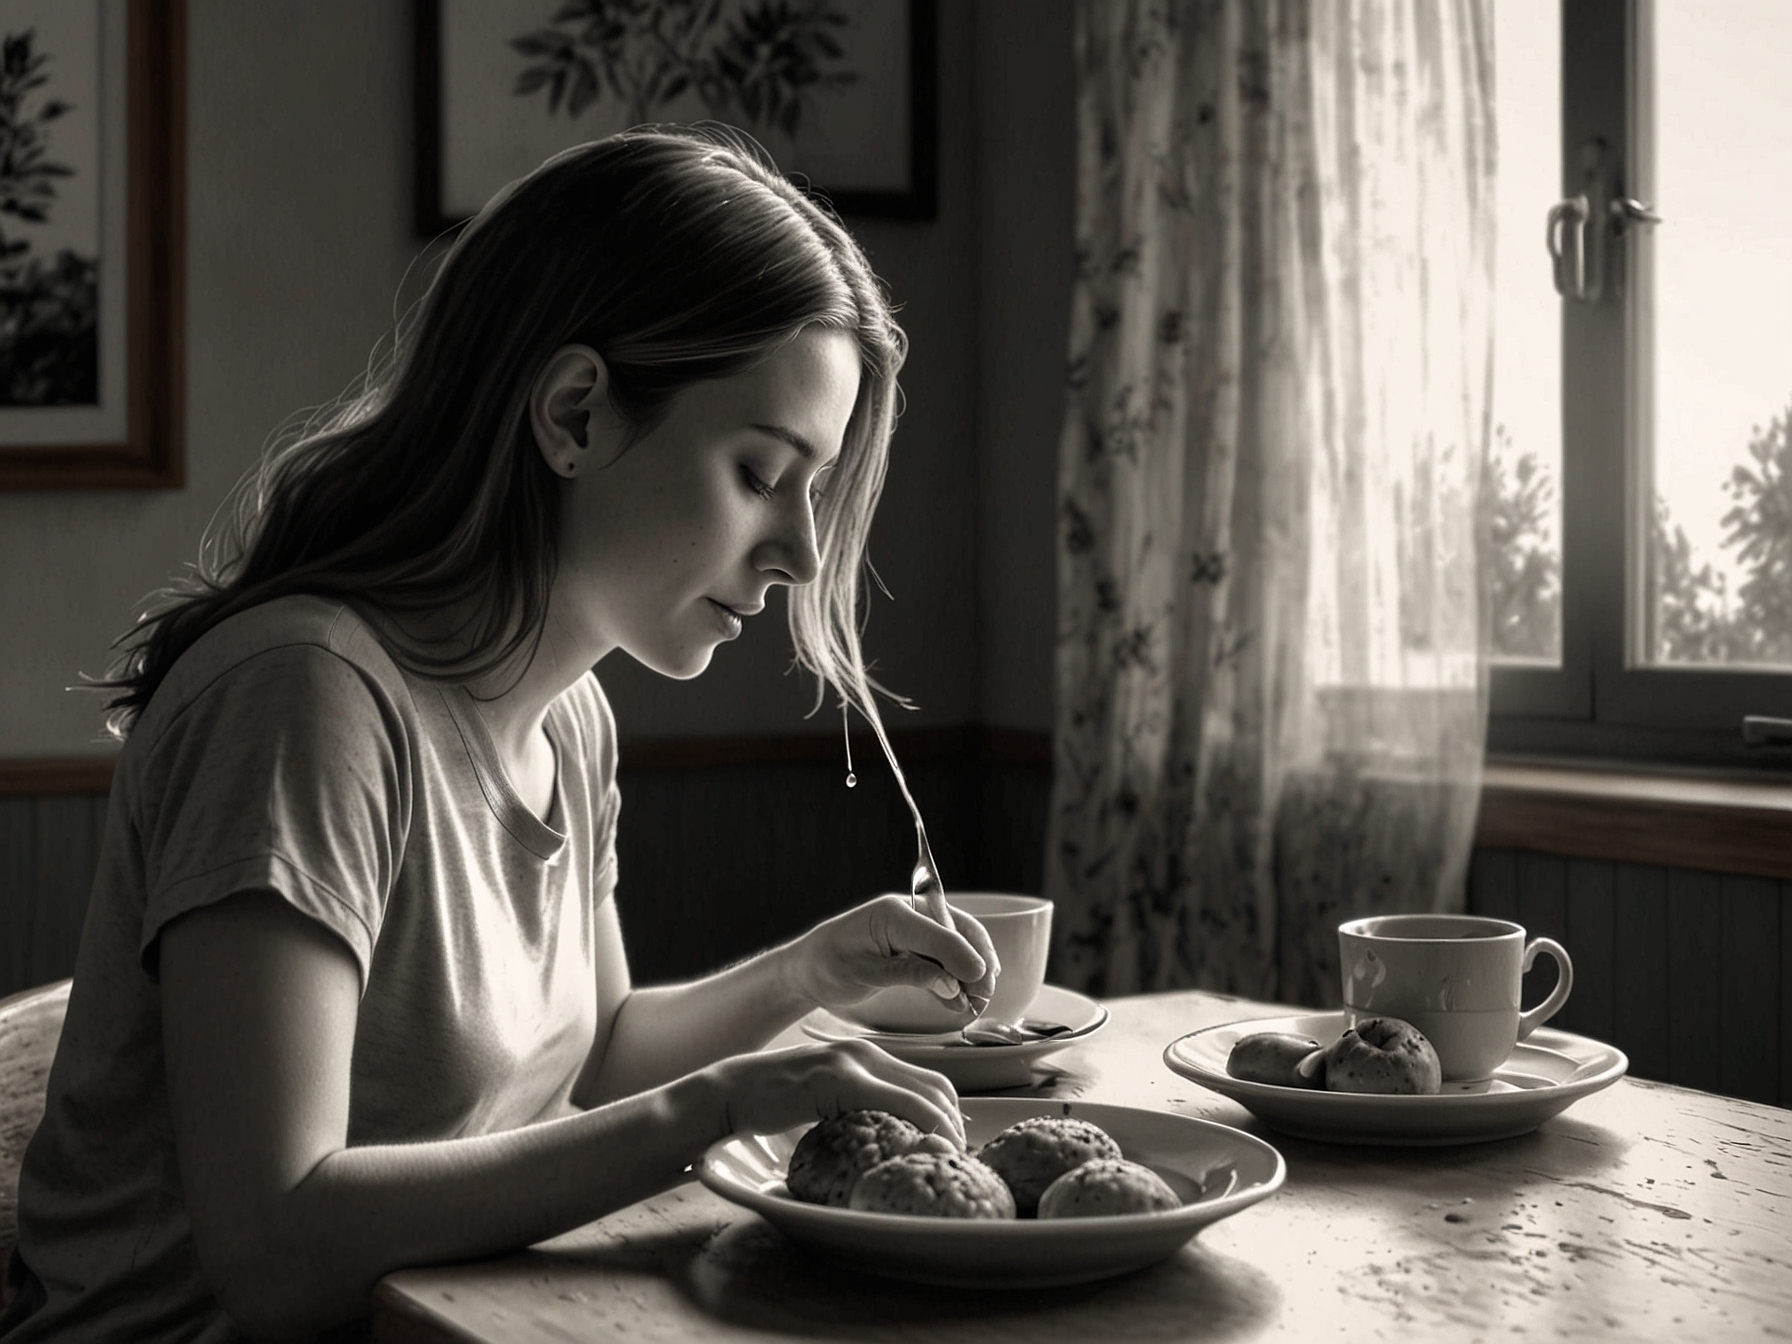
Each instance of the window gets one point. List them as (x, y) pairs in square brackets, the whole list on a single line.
[(1640, 484)]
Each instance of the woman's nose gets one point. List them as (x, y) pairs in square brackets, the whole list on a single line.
[(792, 555)]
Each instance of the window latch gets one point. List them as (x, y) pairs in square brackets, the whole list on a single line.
[(1760, 731), (1575, 234)]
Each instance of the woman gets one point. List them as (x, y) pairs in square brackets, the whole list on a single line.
[(352, 992)]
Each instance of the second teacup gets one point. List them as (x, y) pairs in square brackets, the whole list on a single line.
[(1457, 978)]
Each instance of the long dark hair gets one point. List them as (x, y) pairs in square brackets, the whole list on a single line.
[(680, 254)]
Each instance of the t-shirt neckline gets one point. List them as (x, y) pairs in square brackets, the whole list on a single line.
[(542, 838)]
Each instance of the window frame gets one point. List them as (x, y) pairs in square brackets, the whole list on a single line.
[(1604, 701)]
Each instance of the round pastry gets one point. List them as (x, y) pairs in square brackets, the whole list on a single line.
[(835, 1153), (937, 1185), (1383, 1054), (1105, 1187), (1033, 1153), (1274, 1057)]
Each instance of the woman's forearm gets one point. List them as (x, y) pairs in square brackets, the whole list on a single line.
[(363, 1212), (666, 1031)]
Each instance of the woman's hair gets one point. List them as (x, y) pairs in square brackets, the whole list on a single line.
[(680, 254)]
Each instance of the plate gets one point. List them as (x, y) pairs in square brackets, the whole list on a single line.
[(1543, 1077), (976, 1068), (1216, 1169)]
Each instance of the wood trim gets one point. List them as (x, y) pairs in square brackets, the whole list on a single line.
[(966, 742), (1717, 824), (703, 753), (56, 777)]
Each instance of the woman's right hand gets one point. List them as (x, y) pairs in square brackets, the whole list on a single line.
[(774, 1090)]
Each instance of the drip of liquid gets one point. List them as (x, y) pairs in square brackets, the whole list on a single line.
[(852, 780)]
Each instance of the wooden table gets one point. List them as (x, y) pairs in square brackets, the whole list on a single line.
[(1644, 1212)]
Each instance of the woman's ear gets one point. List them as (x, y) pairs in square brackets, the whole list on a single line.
[(569, 410)]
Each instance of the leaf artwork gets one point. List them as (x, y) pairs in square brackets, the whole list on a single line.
[(27, 175), (761, 63), (48, 308)]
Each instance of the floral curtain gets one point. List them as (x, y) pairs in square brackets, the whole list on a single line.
[(1271, 688)]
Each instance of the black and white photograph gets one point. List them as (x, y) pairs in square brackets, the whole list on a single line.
[(895, 671)]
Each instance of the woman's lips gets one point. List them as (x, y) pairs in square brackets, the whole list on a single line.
[(727, 617)]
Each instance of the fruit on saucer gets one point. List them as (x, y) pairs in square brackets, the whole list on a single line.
[(1383, 1055), (1274, 1057), (1379, 1054)]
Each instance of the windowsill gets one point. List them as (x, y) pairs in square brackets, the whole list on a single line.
[(1721, 823)]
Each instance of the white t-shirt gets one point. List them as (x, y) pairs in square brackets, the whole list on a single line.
[(286, 752)]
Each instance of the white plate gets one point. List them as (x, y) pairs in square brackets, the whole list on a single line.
[(1217, 1170), (1543, 1077), (977, 1068)]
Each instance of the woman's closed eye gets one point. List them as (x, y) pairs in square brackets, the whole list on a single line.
[(756, 483), (765, 490)]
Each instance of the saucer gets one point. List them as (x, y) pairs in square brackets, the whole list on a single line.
[(1217, 1171), (1541, 1078), (976, 1068)]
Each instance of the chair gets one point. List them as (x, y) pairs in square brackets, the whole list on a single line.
[(30, 1025)]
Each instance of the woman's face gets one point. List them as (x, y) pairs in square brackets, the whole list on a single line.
[(668, 545)]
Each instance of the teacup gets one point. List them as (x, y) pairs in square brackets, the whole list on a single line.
[(1020, 927), (1457, 978)]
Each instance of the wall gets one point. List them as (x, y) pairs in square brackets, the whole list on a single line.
[(1026, 105), (298, 238)]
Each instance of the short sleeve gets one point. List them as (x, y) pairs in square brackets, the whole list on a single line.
[(289, 773), (597, 726)]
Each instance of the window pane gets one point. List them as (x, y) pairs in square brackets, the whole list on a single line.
[(1524, 469), (1719, 586)]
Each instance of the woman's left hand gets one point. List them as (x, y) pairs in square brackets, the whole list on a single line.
[(886, 941)]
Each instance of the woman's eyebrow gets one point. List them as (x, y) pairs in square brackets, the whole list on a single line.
[(795, 440)]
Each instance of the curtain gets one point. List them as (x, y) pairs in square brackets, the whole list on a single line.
[(1270, 674)]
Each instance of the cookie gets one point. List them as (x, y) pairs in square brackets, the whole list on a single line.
[(1106, 1187), (1033, 1153), (836, 1152), (935, 1185)]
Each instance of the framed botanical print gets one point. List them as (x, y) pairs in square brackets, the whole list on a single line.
[(842, 93), (92, 201)]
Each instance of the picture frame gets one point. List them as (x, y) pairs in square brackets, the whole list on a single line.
[(92, 274), (496, 82)]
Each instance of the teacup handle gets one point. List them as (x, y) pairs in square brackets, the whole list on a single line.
[(1529, 1022)]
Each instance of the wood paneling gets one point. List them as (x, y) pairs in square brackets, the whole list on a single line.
[(1591, 944), (1785, 984), (1685, 970), (1695, 978), (47, 851), (1640, 1009), (1749, 989), (1543, 910)]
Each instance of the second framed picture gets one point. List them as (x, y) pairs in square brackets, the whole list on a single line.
[(840, 92)]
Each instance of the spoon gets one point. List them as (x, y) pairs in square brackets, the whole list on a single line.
[(1009, 1033), (924, 882)]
